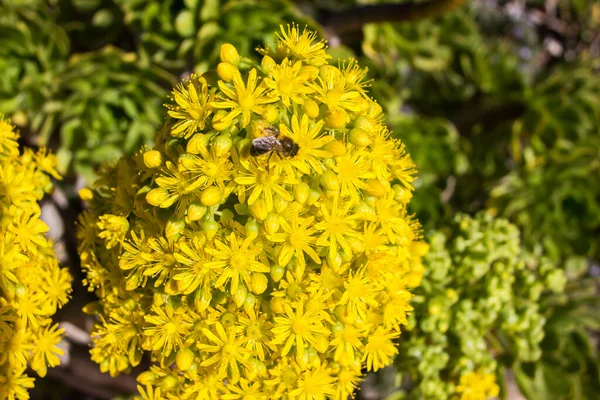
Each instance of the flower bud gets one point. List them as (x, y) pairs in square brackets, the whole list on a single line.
[(336, 119), (174, 228), (257, 368), (243, 147), (227, 71), (336, 148), (20, 291), (228, 319), (301, 192), (168, 383), (311, 108), (321, 343), (277, 272), (146, 377), (279, 203), (364, 123), (157, 196), (374, 108), (184, 359), (313, 358), (133, 281), (259, 210), (271, 114), (313, 197), (192, 371), (271, 223), (328, 72), (401, 194), (259, 128), (210, 228), (376, 188), (130, 305), (277, 305), (197, 143), (158, 299), (330, 181), (267, 64), (309, 72), (334, 260), (222, 145), (359, 137), (249, 303), (241, 209), (202, 299), (258, 283), (357, 246), (229, 54), (341, 312), (252, 228), (153, 159), (85, 194), (221, 121), (196, 210), (211, 196), (239, 297), (364, 210), (227, 216)]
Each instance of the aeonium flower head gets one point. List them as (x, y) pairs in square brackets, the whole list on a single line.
[(263, 245), (32, 283)]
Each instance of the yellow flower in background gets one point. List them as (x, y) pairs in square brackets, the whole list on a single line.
[(262, 248), (477, 385), (32, 284)]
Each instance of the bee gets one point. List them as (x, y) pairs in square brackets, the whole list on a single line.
[(273, 141)]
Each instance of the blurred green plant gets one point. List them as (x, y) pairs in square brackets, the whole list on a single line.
[(33, 51), (108, 106), (479, 305), (551, 193), (89, 76), (491, 135), (568, 368), (188, 37), (449, 79), (93, 106)]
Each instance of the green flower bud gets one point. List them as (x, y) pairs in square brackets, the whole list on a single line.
[(359, 137)]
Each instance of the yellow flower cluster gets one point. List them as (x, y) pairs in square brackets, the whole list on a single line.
[(477, 385), (32, 284), (262, 249)]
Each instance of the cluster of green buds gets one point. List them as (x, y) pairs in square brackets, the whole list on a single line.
[(32, 284), (479, 299), (262, 249)]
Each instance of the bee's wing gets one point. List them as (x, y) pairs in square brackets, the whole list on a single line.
[(273, 131), (266, 143)]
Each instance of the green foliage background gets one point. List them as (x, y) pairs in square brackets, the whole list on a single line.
[(499, 124)]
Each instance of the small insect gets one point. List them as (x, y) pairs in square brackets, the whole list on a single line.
[(273, 141)]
